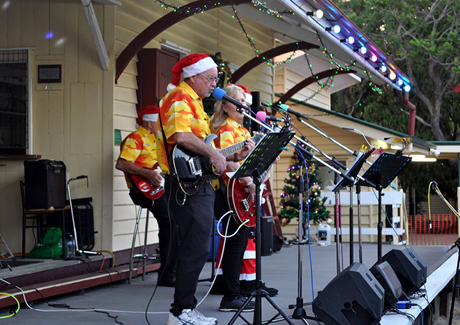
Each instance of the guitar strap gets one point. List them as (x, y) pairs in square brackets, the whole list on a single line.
[(168, 155)]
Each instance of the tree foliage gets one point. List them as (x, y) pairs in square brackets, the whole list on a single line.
[(421, 37)]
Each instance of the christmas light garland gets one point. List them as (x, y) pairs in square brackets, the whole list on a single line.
[(253, 45), (262, 6)]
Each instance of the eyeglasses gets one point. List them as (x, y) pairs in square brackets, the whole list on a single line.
[(210, 79)]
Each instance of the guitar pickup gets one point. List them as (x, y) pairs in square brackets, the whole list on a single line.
[(195, 167)]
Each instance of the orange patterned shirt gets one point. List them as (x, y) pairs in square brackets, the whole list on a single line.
[(231, 132), (181, 110), (228, 134), (139, 148)]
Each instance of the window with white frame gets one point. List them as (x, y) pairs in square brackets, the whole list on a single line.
[(14, 102)]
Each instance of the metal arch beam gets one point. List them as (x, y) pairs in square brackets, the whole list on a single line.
[(159, 26), (251, 64), (304, 83)]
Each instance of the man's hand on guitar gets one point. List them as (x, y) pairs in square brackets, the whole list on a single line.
[(248, 146), (219, 162), (155, 177)]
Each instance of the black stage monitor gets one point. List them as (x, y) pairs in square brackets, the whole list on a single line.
[(384, 273), (409, 268), (353, 297)]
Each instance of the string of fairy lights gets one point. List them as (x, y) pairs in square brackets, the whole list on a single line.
[(251, 39), (262, 6)]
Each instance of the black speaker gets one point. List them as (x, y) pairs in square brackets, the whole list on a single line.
[(386, 276), (266, 230), (354, 297), (45, 184), (409, 268)]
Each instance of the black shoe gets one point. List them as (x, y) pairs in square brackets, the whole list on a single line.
[(235, 303), (249, 288)]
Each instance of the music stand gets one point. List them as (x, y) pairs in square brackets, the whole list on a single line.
[(379, 175), (352, 173), (255, 164)]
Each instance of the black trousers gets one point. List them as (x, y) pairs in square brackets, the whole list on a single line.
[(194, 218), (234, 247), (167, 233)]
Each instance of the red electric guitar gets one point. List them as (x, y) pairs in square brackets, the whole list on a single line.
[(239, 200), (151, 191)]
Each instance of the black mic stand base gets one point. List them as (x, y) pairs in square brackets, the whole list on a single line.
[(258, 295)]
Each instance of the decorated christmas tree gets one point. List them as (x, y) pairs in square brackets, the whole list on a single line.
[(290, 196)]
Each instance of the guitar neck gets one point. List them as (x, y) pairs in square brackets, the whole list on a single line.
[(236, 147)]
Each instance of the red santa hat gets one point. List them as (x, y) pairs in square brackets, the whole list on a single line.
[(247, 93), (148, 114), (190, 66)]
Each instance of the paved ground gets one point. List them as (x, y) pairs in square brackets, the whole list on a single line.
[(129, 302)]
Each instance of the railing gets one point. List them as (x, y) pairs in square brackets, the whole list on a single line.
[(443, 230)]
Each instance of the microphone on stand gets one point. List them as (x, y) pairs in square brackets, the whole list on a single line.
[(283, 108), (220, 94), (264, 117)]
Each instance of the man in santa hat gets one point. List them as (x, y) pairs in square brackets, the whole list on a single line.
[(138, 157), (184, 122)]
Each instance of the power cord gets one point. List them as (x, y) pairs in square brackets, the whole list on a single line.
[(12, 311)]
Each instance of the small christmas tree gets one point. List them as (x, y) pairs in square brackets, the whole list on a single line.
[(290, 196)]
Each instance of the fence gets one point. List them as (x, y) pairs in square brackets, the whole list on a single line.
[(443, 230)]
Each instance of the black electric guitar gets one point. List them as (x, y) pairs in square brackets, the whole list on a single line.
[(193, 170)]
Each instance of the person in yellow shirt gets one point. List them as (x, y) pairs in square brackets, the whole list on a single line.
[(138, 157), (183, 122)]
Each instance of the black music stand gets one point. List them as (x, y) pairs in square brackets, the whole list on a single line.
[(352, 173), (379, 175), (255, 164)]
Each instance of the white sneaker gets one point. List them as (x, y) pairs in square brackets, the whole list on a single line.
[(190, 317), (210, 320)]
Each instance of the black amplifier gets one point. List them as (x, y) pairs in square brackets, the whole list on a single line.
[(45, 184)]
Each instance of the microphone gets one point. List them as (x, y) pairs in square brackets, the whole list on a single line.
[(283, 108), (220, 94), (264, 117)]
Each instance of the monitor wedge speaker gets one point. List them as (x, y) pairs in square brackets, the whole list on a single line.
[(353, 297)]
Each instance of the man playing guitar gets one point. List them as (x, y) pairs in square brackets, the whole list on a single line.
[(138, 158)]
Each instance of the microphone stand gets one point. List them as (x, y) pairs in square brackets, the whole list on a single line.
[(456, 244), (77, 248), (337, 194), (288, 122)]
